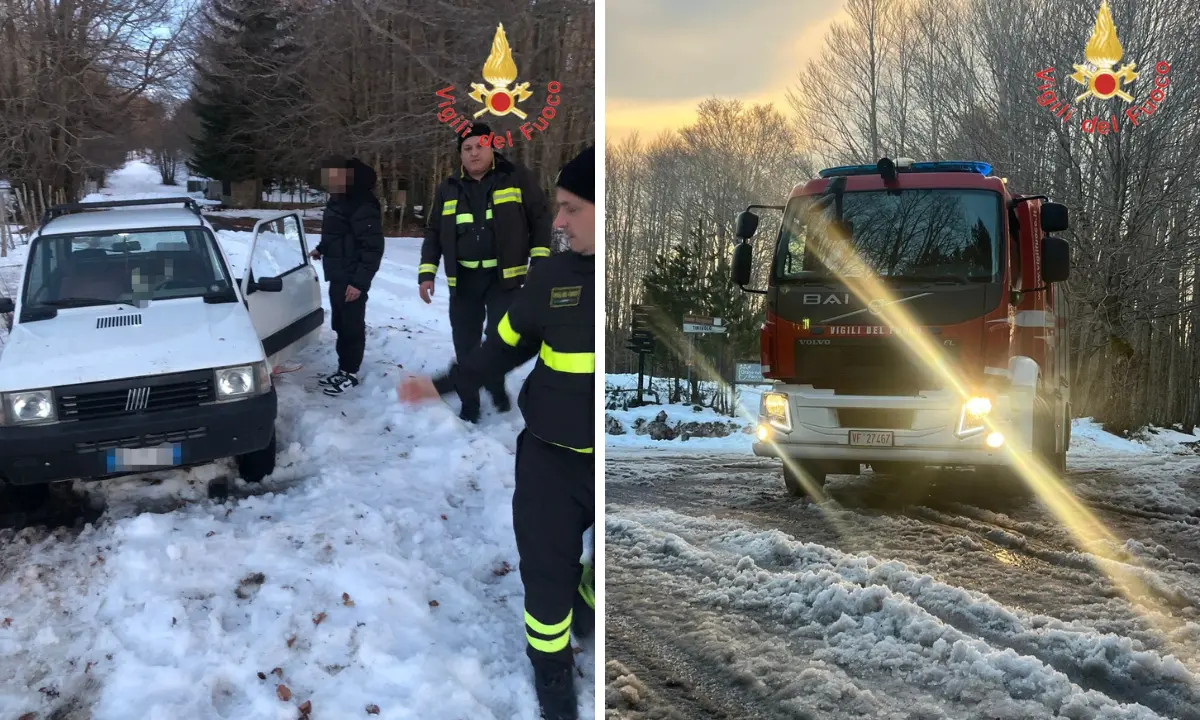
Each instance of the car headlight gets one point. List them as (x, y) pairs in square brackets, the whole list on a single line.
[(30, 406), (241, 381), (972, 420), (777, 411)]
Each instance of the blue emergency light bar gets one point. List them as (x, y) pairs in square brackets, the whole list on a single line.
[(966, 166)]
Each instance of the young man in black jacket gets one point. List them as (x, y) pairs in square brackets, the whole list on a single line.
[(490, 223), (552, 318), (351, 249)]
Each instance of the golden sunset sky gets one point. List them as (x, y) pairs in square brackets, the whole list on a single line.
[(662, 57)]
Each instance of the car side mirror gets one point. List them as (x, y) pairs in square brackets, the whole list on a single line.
[(1056, 260), (747, 225), (1054, 217), (267, 284), (7, 305), (742, 255)]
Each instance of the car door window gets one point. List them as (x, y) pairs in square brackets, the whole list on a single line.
[(279, 249)]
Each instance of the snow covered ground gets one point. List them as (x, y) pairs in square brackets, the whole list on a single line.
[(942, 596), (373, 572)]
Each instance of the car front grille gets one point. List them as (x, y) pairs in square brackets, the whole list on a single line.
[(120, 398)]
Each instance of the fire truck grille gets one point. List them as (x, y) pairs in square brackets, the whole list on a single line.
[(875, 418), (862, 366)]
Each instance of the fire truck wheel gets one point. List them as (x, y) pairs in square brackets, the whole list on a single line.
[(793, 485)]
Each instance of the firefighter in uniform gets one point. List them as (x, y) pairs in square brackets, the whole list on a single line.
[(489, 222), (551, 318)]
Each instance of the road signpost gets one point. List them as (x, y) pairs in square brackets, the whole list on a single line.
[(641, 341)]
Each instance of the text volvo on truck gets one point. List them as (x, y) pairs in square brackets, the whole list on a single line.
[(971, 264)]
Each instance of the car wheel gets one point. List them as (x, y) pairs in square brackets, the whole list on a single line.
[(253, 467), (24, 498)]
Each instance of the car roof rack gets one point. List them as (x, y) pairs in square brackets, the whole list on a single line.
[(69, 208)]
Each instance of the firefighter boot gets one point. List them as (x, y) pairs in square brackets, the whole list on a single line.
[(555, 685)]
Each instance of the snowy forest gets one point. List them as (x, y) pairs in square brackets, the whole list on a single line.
[(937, 80), (263, 89)]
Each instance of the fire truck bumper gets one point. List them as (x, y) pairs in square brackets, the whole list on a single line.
[(916, 455), (935, 429)]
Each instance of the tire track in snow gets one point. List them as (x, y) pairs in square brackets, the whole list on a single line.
[(877, 617), (956, 553)]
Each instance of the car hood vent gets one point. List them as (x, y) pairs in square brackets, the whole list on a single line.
[(114, 321)]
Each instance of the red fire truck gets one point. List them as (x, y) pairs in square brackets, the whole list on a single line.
[(950, 247)]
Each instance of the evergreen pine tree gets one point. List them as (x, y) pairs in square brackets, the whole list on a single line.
[(241, 84), (674, 287)]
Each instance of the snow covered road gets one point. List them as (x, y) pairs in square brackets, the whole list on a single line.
[(373, 575), (938, 598)]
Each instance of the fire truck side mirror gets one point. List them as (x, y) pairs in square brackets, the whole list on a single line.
[(1054, 217), (742, 254), (1056, 260), (747, 225)]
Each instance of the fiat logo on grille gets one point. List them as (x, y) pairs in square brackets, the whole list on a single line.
[(137, 399)]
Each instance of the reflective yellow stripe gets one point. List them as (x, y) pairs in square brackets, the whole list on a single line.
[(426, 268), (585, 451), (539, 252), (463, 218), (544, 629), (450, 207), (507, 334), (549, 646), (451, 281), (488, 214), (575, 363), (515, 271), (589, 595), (475, 263), (507, 195)]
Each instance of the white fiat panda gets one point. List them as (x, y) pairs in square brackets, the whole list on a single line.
[(134, 348)]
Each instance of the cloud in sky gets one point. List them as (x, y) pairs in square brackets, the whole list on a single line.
[(665, 56)]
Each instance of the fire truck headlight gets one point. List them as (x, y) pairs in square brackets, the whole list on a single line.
[(978, 406), (776, 411), (971, 420), (994, 440)]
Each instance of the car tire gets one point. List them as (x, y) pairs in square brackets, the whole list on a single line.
[(792, 483), (24, 498), (253, 467)]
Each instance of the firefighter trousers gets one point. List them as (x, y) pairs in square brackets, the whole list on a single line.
[(477, 295), (553, 505)]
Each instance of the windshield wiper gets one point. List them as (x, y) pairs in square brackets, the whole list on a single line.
[(76, 302)]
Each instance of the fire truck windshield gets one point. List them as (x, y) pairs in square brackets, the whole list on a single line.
[(942, 234)]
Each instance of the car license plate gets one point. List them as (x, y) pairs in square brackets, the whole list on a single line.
[(872, 438), (133, 459)]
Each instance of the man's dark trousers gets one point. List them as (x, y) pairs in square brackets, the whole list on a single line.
[(476, 294), (350, 324), (554, 503)]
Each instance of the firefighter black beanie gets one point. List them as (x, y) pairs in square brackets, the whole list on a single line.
[(477, 130), (579, 175)]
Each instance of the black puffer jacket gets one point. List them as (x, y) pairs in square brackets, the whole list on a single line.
[(352, 232)]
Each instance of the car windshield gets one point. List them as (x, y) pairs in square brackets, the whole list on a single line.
[(123, 268), (911, 234)]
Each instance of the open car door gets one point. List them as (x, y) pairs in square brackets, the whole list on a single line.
[(281, 287)]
